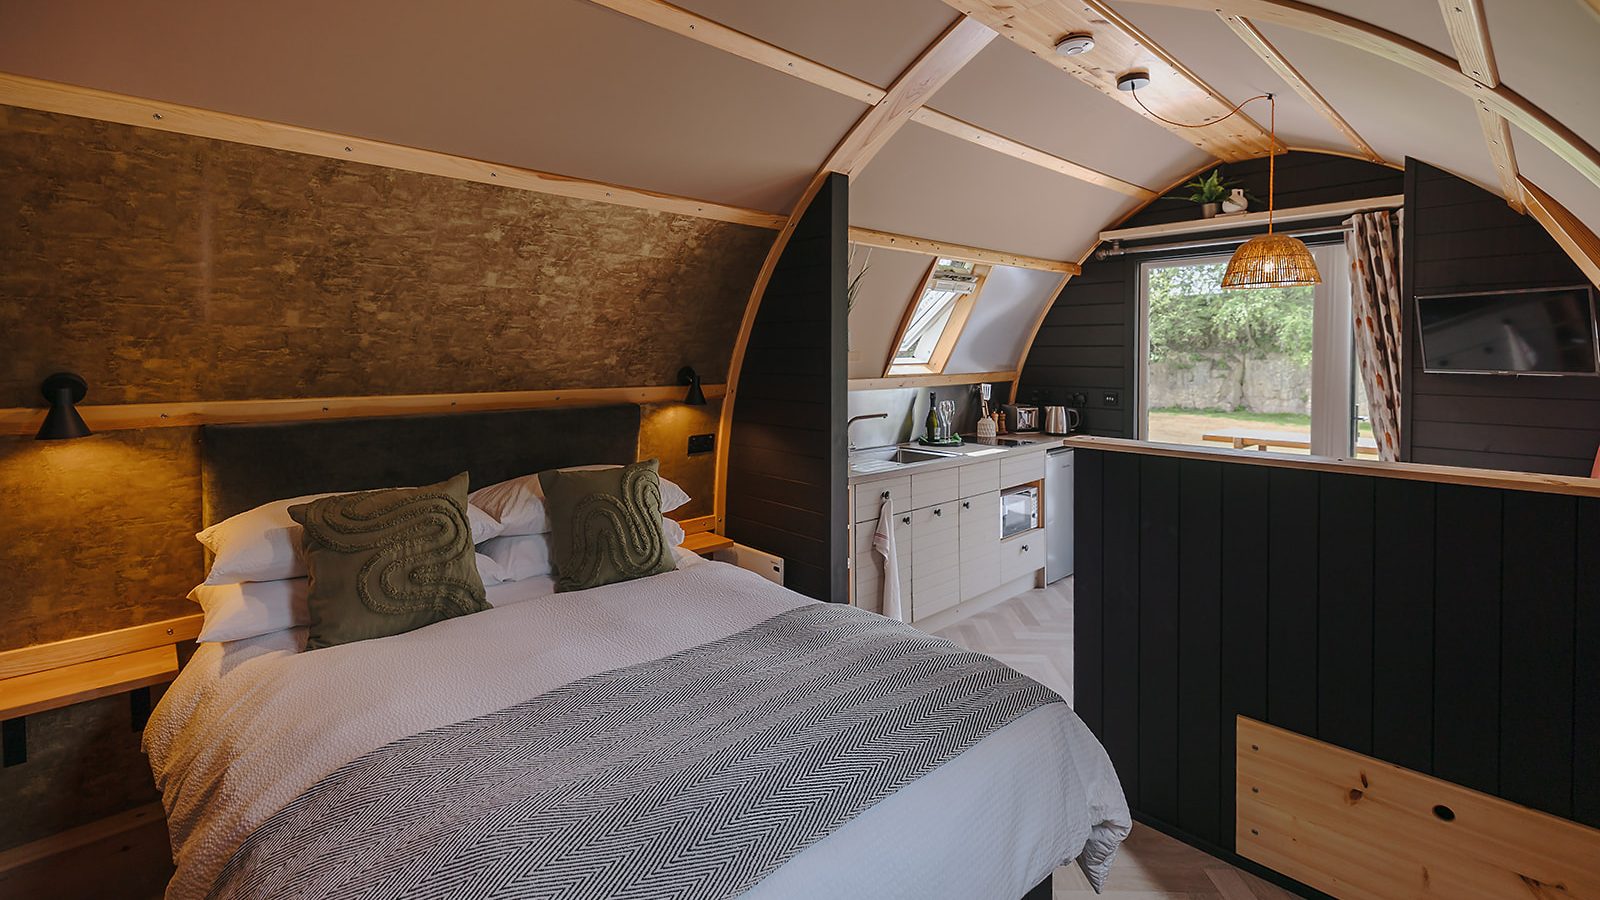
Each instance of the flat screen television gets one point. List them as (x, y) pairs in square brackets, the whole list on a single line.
[(1542, 331)]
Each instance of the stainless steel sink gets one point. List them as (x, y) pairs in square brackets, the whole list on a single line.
[(900, 455), (883, 459)]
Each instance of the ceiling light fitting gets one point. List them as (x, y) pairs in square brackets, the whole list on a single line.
[(1075, 43), (1267, 260), (1133, 81)]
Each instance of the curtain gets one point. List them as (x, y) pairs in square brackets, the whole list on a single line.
[(1374, 244)]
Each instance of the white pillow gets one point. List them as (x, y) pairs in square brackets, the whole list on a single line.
[(263, 544), (518, 504), (238, 611), (522, 556), (519, 556)]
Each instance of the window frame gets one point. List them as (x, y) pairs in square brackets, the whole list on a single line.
[(1333, 346), (953, 326)]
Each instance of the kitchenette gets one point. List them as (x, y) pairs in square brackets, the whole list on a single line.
[(944, 527)]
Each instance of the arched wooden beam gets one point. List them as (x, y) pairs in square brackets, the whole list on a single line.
[(1568, 230), (954, 48), (1503, 101)]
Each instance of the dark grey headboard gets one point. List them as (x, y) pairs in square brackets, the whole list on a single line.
[(244, 466)]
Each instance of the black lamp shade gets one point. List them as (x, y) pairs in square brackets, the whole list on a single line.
[(63, 390), (695, 396)]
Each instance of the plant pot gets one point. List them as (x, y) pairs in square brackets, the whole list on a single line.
[(1210, 210)]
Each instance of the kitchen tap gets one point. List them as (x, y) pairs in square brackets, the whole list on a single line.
[(855, 419)]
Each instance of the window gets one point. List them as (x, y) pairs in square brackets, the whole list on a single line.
[(935, 316), (1270, 369)]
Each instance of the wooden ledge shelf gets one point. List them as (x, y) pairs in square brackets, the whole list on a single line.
[(1226, 223), (1492, 478), (37, 692), (706, 542)]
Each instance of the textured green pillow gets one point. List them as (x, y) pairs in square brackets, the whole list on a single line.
[(605, 525), (387, 562)]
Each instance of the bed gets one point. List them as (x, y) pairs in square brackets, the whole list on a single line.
[(698, 733)]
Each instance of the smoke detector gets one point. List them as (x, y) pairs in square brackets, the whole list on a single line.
[(1075, 43), (1133, 81)]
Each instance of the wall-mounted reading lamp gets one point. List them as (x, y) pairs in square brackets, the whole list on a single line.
[(63, 390), (695, 397)]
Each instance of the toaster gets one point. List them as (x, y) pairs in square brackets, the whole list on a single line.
[(1021, 418)]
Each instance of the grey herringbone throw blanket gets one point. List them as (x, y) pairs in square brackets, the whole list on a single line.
[(691, 776)]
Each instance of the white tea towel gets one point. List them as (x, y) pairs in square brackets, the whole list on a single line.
[(883, 545)]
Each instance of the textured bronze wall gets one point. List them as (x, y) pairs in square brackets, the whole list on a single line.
[(167, 267), (164, 267)]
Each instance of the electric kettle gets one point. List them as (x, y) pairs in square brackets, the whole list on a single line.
[(1060, 420)]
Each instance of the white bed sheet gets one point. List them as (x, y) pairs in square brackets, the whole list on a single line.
[(250, 725)]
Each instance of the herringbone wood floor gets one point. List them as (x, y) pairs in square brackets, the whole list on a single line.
[(1032, 633)]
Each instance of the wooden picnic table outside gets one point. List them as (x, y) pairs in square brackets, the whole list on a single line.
[(1241, 438)]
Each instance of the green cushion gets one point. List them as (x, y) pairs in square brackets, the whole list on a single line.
[(605, 525), (387, 562)]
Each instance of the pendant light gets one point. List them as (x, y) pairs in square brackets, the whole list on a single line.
[(1266, 261), (1271, 260)]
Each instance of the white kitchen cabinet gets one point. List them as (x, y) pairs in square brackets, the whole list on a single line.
[(1022, 554), (936, 557), (980, 544)]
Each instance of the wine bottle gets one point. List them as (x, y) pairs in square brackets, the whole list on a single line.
[(933, 419)]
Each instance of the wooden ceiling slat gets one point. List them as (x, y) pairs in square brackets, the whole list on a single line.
[(938, 64), (72, 100), (1469, 34), (1175, 93), (1275, 60)]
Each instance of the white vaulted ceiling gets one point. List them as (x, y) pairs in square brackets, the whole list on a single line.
[(580, 89)]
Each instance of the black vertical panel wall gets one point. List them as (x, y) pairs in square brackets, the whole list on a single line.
[(786, 451), (1460, 238), (1452, 630)]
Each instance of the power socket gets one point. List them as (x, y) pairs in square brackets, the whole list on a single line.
[(1112, 399), (702, 443)]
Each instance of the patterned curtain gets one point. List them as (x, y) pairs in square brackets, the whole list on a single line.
[(1374, 245)]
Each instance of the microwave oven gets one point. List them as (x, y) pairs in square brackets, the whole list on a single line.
[(1019, 510)]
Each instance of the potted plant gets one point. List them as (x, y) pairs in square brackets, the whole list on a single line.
[(1209, 192)]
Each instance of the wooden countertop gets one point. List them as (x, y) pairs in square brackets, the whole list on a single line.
[(1492, 478)]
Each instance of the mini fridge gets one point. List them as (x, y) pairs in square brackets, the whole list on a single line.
[(1058, 515)]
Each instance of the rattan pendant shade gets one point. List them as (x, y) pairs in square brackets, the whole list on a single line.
[(1271, 260)]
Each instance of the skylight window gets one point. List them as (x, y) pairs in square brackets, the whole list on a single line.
[(935, 317)]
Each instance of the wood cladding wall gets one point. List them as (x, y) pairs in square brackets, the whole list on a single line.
[(786, 453), (1088, 343), (165, 267), (1460, 238), (1448, 629)]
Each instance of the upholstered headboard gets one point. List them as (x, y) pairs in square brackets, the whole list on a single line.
[(244, 466)]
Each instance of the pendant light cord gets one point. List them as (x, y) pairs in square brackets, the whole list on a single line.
[(1272, 136)]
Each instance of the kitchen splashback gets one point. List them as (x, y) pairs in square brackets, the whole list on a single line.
[(908, 409)]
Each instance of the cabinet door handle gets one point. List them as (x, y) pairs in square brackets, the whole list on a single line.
[(1024, 548), (938, 512), (884, 496), (966, 504), (905, 520)]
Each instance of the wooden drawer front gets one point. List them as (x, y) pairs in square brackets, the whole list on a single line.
[(936, 543), (930, 488), (980, 544), (979, 478), (869, 497), (1021, 469), (1357, 827), (867, 566), (1021, 554)]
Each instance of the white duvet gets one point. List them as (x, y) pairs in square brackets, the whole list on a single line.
[(248, 726)]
